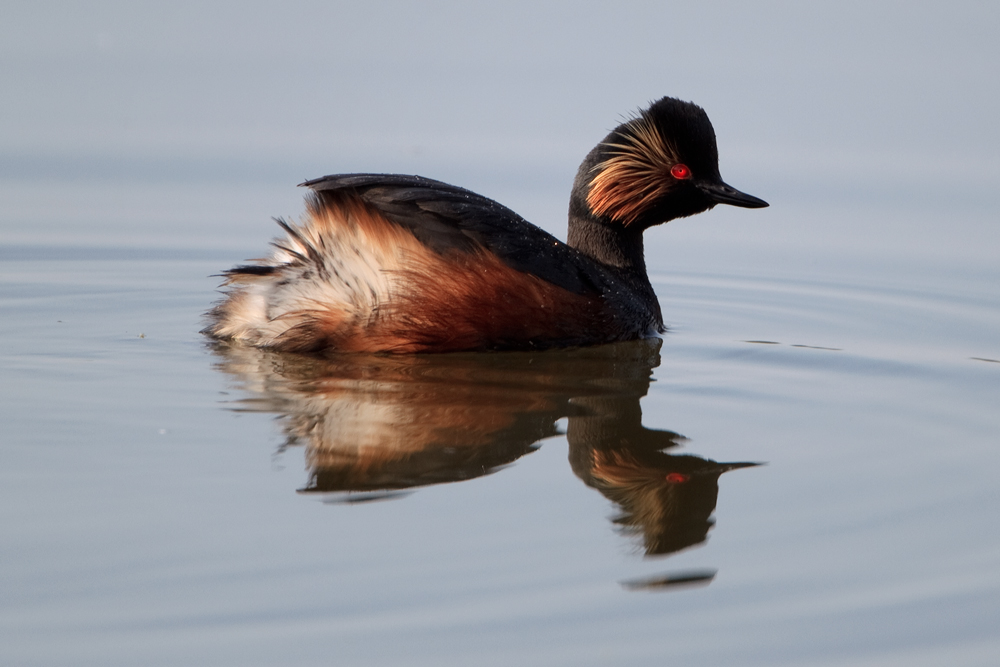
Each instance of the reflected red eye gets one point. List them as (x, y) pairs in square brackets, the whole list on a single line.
[(680, 172), (677, 477)]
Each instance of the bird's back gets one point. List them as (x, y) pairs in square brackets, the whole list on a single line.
[(407, 264)]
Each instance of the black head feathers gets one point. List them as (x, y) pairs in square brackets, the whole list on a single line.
[(661, 164)]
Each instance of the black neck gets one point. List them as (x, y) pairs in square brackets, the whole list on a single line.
[(617, 247), (605, 240), (611, 244)]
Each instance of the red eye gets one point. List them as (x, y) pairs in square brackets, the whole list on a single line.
[(677, 477), (680, 172)]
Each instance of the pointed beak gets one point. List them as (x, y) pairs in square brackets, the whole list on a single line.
[(716, 469), (721, 193), (726, 467)]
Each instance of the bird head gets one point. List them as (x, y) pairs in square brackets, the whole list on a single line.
[(661, 164)]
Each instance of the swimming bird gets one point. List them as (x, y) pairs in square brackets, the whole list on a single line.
[(394, 263)]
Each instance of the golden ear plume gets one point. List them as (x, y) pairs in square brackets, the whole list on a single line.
[(636, 174)]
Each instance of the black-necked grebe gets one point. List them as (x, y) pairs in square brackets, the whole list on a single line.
[(391, 263)]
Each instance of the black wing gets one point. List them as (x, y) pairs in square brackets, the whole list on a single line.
[(446, 217)]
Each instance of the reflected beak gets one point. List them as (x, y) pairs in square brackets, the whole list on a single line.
[(721, 193)]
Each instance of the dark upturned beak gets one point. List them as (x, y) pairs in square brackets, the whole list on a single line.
[(726, 467), (713, 468), (721, 193)]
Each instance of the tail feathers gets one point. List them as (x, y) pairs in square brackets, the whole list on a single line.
[(248, 272), (323, 278)]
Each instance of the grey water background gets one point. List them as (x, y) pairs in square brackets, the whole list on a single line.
[(848, 337)]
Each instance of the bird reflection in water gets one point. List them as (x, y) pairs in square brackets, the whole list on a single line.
[(377, 426)]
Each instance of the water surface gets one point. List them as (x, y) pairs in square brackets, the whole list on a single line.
[(168, 499)]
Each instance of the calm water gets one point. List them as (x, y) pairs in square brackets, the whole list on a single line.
[(168, 501)]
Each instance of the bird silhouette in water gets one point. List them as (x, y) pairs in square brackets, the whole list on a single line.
[(393, 263)]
